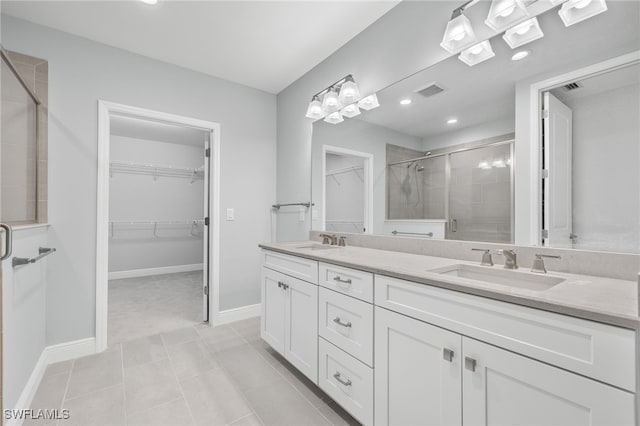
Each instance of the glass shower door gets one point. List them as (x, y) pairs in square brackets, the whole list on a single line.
[(481, 194)]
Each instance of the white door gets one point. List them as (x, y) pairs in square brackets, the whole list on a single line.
[(272, 324), (504, 388), (418, 372), (301, 326), (557, 142), (205, 235)]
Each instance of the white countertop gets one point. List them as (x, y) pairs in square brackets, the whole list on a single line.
[(605, 300)]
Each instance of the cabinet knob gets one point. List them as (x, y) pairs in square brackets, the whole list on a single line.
[(470, 363), (447, 354)]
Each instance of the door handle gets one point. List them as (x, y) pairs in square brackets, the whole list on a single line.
[(454, 225), (8, 241)]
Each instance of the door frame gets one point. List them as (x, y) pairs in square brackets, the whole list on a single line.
[(107, 109), (535, 130), (368, 183)]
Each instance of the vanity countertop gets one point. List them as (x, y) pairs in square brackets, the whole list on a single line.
[(601, 299)]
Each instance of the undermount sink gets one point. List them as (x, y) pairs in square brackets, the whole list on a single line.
[(317, 246), (493, 275)]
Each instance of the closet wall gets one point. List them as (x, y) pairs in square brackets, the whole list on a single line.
[(142, 204)]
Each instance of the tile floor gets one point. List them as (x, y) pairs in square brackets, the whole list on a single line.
[(197, 375), (144, 306)]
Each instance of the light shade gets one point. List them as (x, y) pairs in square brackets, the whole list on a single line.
[(350, 110), (349, 91), (458, 34), (369, 102), (315, 110), (334, 118), (574, 11), (476, 54), (331, 102), (523, 33), (505, 13)]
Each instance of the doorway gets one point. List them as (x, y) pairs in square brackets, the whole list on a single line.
[(158, 239)]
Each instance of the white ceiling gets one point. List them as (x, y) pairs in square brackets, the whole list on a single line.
[(262, 44), (486, 92), (137, 128)]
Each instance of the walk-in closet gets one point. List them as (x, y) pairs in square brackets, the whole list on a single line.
[(157, 240)]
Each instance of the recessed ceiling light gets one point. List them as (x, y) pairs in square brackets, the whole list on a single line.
[(520, 55), (149, 1), (452, 121), (405, 101)]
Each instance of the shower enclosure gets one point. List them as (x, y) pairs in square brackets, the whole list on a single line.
[(470, 187)]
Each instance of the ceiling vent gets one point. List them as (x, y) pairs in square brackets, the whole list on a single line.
[(572, 86), (431, 90)]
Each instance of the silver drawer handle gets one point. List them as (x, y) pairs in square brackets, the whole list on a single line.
[(344, 324), (470, 363), (340, 280), (345, 383), (447, 354)]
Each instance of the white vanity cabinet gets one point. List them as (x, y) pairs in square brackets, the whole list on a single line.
[(289, 320)]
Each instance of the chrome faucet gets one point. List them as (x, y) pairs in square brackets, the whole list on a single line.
[(538, 263), (343, 241), (329, 239), (487, 260), (510, 258)]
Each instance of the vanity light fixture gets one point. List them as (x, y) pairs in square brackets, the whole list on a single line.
[(458, 34), (574, 11), (405, 101), (334, 118), (350, 110), (505, 13), (476, 54), (338, 100), (523, 33), (369, 102), (520, 55)]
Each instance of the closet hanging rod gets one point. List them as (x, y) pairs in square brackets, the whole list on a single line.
[(156, 169), (156, 222), (307, 205), (344, 170)]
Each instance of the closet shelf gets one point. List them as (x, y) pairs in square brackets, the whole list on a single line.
[(156, 170), (195, 225)]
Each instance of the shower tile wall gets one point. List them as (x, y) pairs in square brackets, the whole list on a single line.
[(403, 199), (19, 194)]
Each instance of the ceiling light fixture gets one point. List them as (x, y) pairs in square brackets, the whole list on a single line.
[(574, 11), (523, 33), (341, 99), (406, 101), (369, 102), (476, 54), (520, 55), (505, 13), (149, 1), (458, 34), (452, 121)]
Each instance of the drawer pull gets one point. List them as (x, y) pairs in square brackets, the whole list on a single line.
[(337, 377), (344, 324), (447, 354), (340, 280), (470, 363)]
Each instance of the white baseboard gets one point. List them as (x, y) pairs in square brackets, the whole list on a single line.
[(154, 271), (237, 314), (51, 355)]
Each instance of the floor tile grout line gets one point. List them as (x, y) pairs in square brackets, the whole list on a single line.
[(124, 385), (66, 387), (175, 374), (180, 398)]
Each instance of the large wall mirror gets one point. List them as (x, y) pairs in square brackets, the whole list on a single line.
[(544, 150)]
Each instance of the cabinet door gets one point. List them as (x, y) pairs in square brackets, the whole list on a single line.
[(272, 320), (504, 388), (301, 326), (418, 372)]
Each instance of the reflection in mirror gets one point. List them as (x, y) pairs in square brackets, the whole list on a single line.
[(591, 145), (454, 153)]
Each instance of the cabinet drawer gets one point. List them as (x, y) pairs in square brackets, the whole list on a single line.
[(294, 266), (603, 352), (347, 323), (348, 381), (349, 281)]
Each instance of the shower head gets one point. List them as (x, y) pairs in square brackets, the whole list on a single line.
[(420, 168)]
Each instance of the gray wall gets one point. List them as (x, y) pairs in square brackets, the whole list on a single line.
[(138, 197), (80, 73)]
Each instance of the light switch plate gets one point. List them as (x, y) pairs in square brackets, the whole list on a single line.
[(230, 214)]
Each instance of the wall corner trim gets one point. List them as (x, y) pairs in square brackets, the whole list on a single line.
[(237, 314), (51, 355)]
